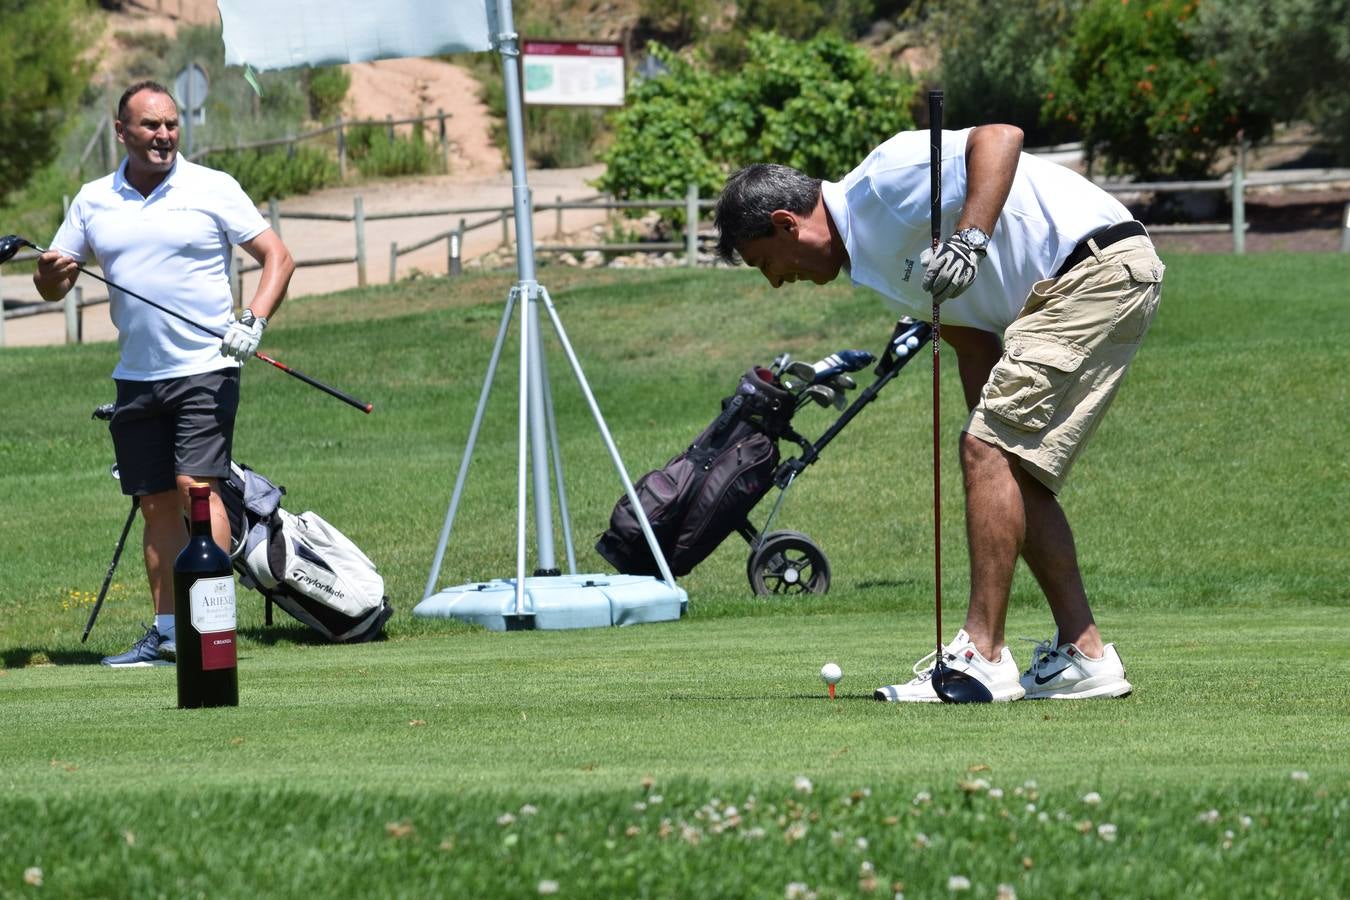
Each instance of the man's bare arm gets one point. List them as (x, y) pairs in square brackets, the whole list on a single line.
[(992, 152), (277, 267)]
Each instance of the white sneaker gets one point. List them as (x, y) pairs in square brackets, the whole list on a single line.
[(1063, 672), (960, 656)]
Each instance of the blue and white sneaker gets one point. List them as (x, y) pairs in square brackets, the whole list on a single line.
[(145, 652), (1063, 672)]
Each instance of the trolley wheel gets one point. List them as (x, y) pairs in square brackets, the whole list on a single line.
[(788, 562)]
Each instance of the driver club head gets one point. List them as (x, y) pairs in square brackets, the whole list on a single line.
[(952, 686), (11, 244)]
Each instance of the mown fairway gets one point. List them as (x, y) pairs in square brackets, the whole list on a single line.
[(701, 758)]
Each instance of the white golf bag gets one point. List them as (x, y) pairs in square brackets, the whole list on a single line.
[(302, 563)]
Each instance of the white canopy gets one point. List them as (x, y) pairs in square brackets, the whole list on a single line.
[(267, 34)]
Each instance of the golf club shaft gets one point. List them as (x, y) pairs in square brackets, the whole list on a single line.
[(112, 567), (935, 215), (312, 382)]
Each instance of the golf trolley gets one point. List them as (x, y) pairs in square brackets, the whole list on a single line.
[(708, 491)]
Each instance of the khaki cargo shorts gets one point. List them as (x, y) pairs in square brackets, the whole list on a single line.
[(1065, 356)]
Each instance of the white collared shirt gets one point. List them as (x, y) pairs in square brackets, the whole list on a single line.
[(172, 247), (882, 211)]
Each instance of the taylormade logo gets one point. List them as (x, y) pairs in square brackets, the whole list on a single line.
[(300, 578)]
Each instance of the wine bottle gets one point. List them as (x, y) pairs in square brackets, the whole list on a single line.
[(204, 614)]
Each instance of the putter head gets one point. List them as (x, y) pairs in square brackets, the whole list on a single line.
[(11, 244), (952, 686)]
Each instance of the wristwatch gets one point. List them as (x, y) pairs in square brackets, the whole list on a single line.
[(248, 318), (974, 238)]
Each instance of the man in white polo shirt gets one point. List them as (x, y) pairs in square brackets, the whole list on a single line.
[(166, 225), (1047, 288)]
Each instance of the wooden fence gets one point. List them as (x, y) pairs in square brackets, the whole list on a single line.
[(1236, 185)]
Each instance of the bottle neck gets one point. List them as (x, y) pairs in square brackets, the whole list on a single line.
[(200, 515)]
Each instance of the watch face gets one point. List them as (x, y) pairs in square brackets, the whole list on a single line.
[(975, 238)]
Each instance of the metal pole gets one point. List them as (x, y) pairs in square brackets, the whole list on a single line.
[(455, 241), (187, 113), (1239, 199), (557, 224), (359, 217), (469, 445), (691, 225)]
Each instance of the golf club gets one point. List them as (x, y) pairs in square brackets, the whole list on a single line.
[(951, 686), (820, 394), (836, 363), (10, 244)]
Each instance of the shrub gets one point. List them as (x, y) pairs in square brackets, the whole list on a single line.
[(41, 79), (327, 88), (996, 60), (818, 105), (1289, 59), (376, 154), (1146, 100), (264, 174)]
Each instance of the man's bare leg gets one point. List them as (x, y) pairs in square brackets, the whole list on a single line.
[(166, 534), (1051, 555), (996, 528)]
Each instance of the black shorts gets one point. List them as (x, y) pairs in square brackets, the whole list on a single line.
[(178, 426)]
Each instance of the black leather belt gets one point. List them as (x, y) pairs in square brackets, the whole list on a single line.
[(1104, 238)]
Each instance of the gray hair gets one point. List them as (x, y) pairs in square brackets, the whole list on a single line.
[(752, 195)]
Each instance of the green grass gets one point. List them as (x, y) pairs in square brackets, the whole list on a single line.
[(445, 761)]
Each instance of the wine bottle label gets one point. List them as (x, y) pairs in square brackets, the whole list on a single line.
[(213, 616)]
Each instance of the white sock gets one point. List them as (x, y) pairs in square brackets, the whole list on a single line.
[(164, 625)]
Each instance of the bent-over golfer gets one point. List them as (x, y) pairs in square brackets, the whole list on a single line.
[(164, 226), (1047, 287)]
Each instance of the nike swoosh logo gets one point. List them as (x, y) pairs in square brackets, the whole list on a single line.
[(1051, 677)]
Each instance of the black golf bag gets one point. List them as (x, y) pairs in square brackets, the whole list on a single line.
[(302, 563), (703, 494), (707, 492)]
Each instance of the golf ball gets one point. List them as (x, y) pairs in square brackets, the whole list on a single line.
[(830, 673)]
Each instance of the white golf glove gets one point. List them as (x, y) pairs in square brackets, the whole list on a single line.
[(243, 336), (951, 270)]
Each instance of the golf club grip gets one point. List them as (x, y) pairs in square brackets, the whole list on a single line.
[(314, 382), (935, 215)]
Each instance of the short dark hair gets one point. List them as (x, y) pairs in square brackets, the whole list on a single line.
[(153, 86), (750, 198)]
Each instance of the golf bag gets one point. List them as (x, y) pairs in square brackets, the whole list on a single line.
[(302, 563), (702, 495)]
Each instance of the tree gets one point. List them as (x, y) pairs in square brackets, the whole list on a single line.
[(996, 60), (819, 106), (40, 81), (1288, 59), (1145, 97)]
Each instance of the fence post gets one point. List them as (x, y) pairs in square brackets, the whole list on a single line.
[(341, 149), (691, 225), (1345, 232), (393, 261), (73, 301), (359, 215), (389, 119), (506, 228), (445, 140), (237, 283), (274, 215), (2, 309), (455, 265), (1239, 198), (290, 145)]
